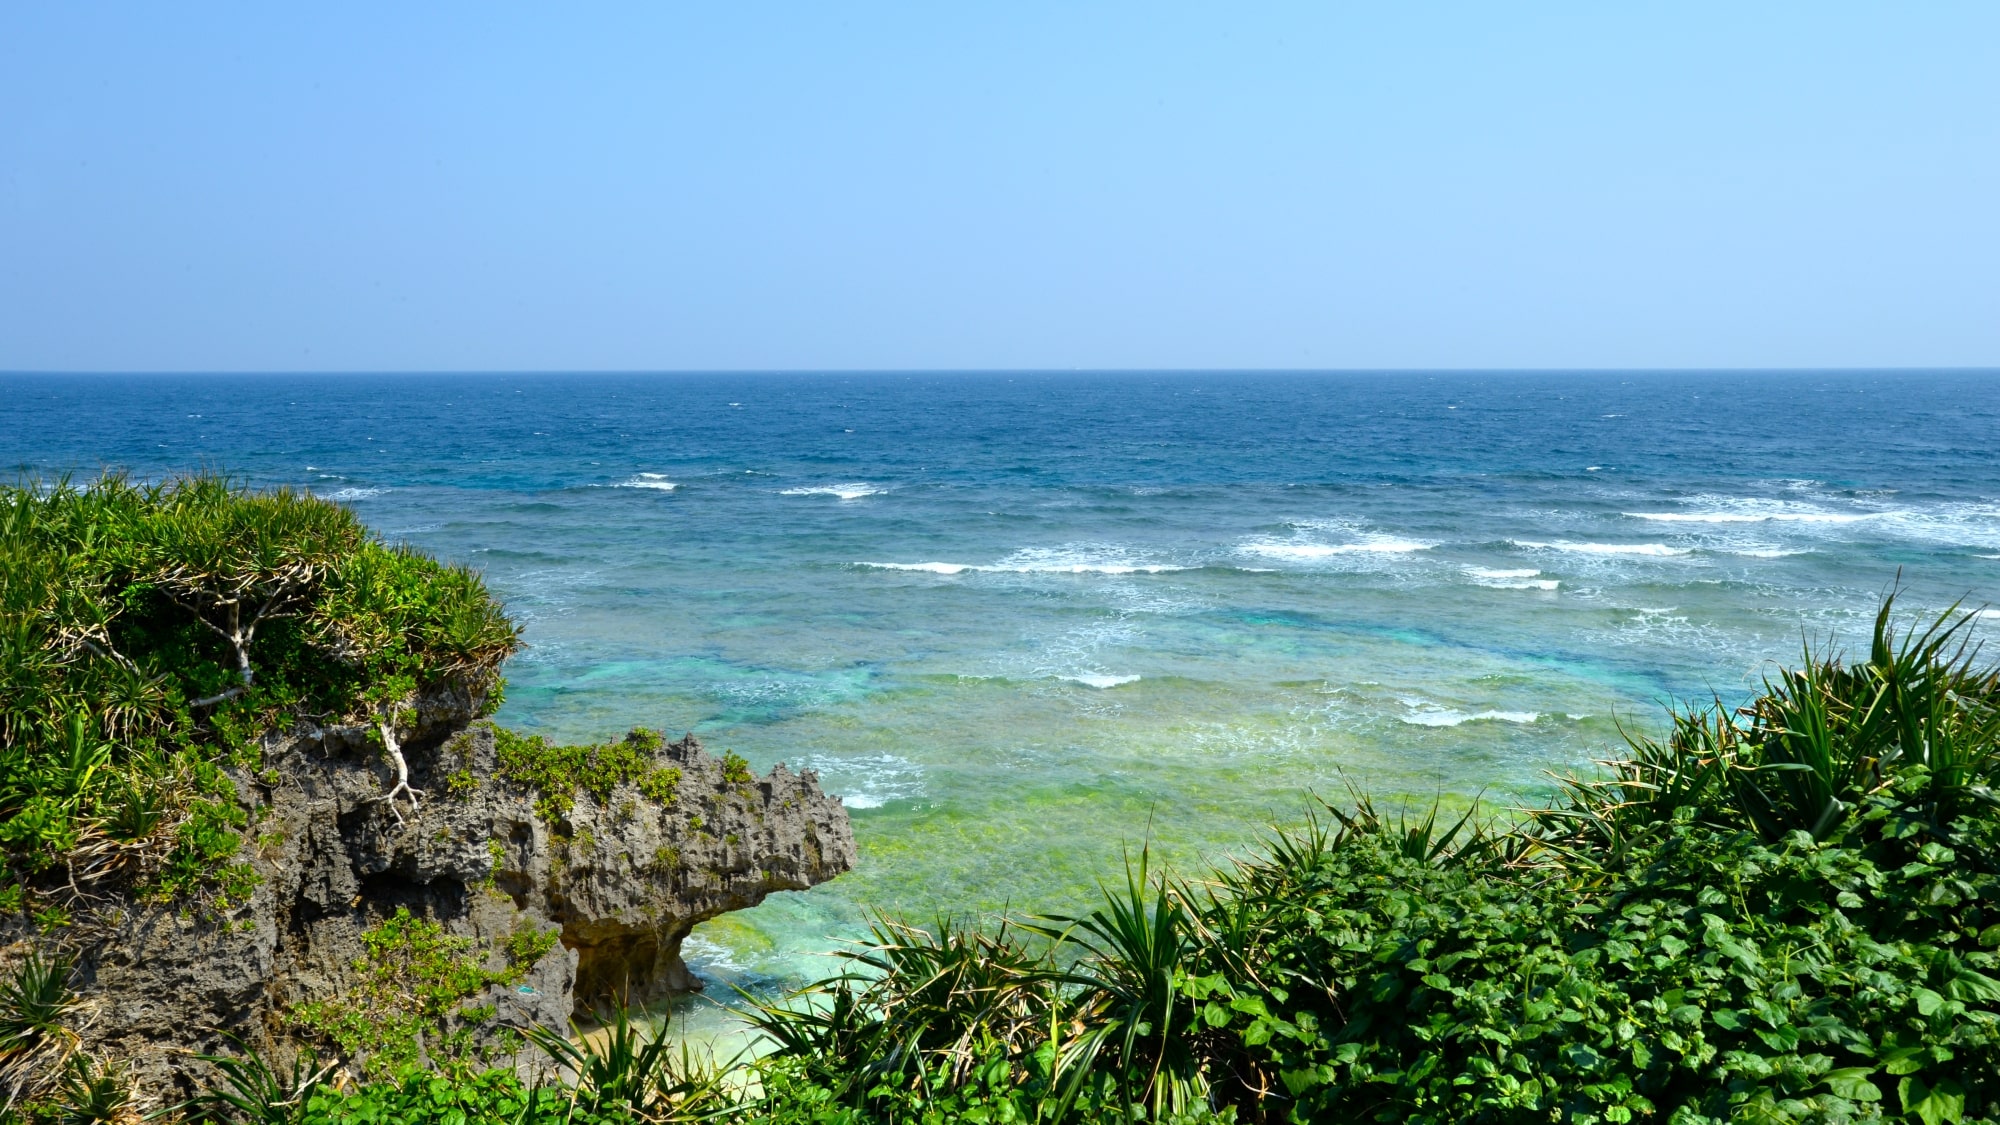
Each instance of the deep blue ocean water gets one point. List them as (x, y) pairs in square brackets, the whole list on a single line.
[(1025, 621)]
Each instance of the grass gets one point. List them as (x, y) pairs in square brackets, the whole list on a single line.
[(36, 1005)]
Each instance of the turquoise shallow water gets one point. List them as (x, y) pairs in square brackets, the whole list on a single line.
[(1025, 622)]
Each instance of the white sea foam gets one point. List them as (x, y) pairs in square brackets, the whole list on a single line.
[(1096, 680), (1959, 525), (1526, 578), (1071, 559), (703, 954), (853, 491), (866, 781), (352, 494), (926, 567), (1755, 517), (1431, 715), (656, 481), (1766, 552), (1713, 508), (1966, 524), (1082, 568), (1656, 550), (1371, 545)]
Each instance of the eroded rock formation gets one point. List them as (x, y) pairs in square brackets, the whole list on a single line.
[(622, 880)]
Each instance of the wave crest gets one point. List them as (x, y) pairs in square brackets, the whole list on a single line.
[(655, 481), (851, 491), (1652, 550), (1524, 578), (1096, 680), (1443, 717), (1371, 545)]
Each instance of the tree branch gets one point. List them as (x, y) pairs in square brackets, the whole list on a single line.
[(212, 700), (106, 651)]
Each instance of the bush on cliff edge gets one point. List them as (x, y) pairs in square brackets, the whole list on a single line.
[(150, 633)]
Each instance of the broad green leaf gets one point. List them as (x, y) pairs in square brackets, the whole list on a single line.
[(1943, 1104), (1852, 1082), (1903, 1060)]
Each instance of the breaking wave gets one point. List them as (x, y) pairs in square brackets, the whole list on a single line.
[(1655, 550), (655, 481), (1091, 679), (854, 491)]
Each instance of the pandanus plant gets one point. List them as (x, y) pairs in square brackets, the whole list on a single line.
[(922, 1007), (1820, 739), (35, 1041), (1135, 1022)]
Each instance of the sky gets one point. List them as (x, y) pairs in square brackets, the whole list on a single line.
[(651, 186)]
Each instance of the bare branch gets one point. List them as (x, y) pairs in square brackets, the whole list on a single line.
[(212, 700), (402, 786), (107, 652)]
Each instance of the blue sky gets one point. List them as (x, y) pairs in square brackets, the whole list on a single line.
[(654, 186)]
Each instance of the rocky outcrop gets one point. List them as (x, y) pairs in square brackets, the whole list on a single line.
[(618, 882)]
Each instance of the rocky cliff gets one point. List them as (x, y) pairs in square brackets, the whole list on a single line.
[(529, 911)]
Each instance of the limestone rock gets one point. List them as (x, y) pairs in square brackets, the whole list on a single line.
[(624, 880)]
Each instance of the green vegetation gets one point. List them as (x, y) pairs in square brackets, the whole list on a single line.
[(1785, 912), (410, 1005), (150, 634), (557, 773), (35, 1006), (525, 946)]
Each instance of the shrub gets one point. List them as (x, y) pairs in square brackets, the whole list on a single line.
[(150, 635), (735, 770), (557, 773), (411, 1002)]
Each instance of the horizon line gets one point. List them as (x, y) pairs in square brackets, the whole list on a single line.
[(1962, 369)]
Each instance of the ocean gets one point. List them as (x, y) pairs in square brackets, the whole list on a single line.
[(1027, 624)]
